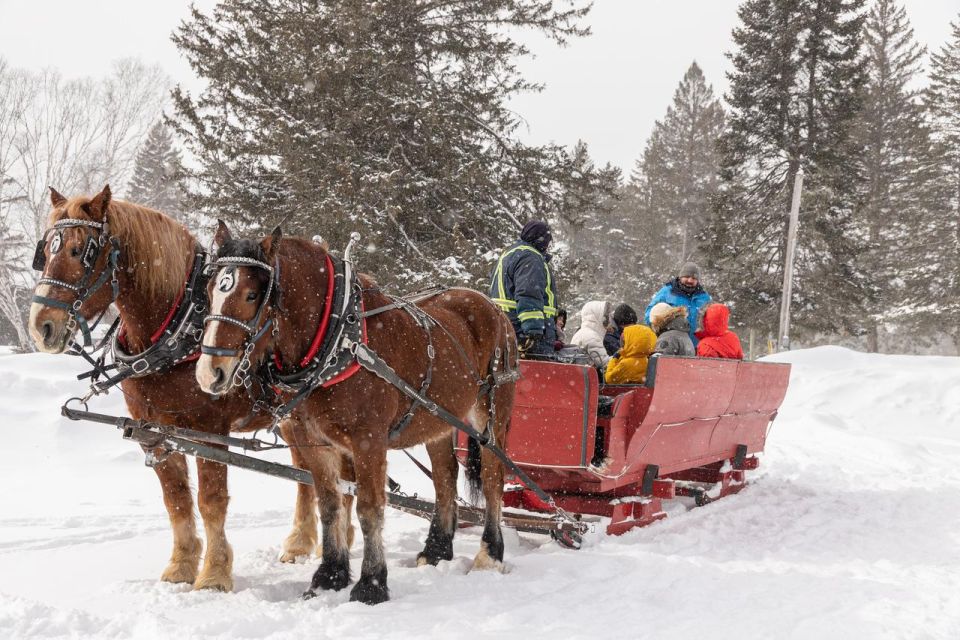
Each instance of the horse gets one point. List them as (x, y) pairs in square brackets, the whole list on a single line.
[(446, 344), (149, 257)]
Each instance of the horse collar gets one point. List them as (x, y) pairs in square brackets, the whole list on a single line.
[(329, 359), (178, 338)]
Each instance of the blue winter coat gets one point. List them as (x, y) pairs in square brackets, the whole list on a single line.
[(522, 286), (672, 294)]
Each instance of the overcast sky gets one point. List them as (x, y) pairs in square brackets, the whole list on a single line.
[(607, 89)]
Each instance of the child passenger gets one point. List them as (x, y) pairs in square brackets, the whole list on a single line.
[(630, 365), (716, 339)]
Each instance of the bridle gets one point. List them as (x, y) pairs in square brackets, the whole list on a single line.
[(83, 289), (241, 373)]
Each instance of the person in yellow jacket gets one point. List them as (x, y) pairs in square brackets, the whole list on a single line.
[(629, 366)]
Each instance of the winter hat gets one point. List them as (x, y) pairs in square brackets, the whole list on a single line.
[(537, 233), (659, 311), (624, 315), (689, 269)]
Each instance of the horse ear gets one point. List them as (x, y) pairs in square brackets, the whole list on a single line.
[(271, 244), (222, 235), (97, 207), (55, 198)]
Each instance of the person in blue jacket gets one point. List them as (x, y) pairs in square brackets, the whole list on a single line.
[(684, 290), (522, 286)]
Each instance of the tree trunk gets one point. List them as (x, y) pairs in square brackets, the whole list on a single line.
[(873, 337)]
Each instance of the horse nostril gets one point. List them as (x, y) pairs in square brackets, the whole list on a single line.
[(47, 329), (221, 376)]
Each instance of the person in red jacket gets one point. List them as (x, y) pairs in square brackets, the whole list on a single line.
[(716, 339)]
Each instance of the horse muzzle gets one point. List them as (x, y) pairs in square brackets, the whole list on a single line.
[(50, 328), (215, 374)]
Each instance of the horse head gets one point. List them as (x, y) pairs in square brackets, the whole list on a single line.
[(77, 259), (243, 294)]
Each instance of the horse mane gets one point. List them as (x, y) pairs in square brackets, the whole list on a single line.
[(150, 240)]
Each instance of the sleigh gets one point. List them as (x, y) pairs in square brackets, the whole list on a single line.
[(692, 430)]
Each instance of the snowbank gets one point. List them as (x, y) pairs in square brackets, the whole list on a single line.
[(848, 530)]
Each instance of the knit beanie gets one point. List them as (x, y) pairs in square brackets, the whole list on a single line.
[(537, 233), (689, 269)]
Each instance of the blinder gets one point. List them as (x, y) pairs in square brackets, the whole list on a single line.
[(39, 257)]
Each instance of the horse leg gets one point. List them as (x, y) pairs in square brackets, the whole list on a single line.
[(443, 525), (212, 496), (334, 570), (490, 555), (371, 468), (348, 475), (175, 484), (303, 537)]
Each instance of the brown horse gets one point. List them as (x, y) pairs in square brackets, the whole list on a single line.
[(471, 340), (156, 254)]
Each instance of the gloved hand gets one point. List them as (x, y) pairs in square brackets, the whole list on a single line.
[(558, 345), (527, 343)]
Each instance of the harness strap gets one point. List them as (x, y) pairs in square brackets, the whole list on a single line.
[(371, 361)]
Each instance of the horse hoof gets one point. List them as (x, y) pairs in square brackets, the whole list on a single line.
[(369, 591), (309, 594), (214, 583), (180, 572), (331, 577), (423, 560)]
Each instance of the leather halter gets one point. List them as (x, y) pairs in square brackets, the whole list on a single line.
[(83, 289)]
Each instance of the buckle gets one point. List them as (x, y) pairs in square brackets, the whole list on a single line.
[(140, 366)]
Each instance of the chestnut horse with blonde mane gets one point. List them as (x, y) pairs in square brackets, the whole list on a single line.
[(358, 413), (156, 254)]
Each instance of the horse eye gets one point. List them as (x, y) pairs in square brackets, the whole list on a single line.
[(253, 295), (75, 252)]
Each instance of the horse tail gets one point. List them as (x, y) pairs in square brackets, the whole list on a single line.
[(474, 477)]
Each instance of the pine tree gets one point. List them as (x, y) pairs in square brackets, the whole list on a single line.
[(585, 254), (940, 298), (388, 118), (158, 175), (795, 91), (680, 166), (902, 180)]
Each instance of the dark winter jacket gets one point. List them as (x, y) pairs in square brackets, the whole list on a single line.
[(675, 296), (612, 340), (716, 339), (522, 286), (673, 331)]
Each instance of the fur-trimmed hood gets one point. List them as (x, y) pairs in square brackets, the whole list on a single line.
[(675, 319)]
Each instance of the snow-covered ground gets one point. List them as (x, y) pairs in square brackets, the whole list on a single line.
[(850, 529)]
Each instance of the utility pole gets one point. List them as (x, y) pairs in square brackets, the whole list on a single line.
[(783, 337)]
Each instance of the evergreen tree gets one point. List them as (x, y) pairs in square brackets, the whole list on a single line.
[(902, 184), (388, 118), (940, 301), (158, 175), (680, 166), (795, 91), (585, 254)]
